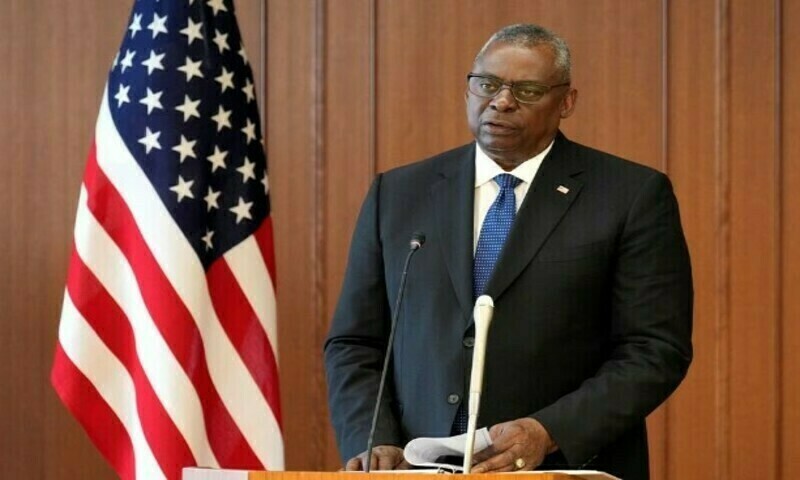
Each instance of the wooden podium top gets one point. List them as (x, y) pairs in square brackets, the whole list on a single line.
[(389, 475), (215, 474)]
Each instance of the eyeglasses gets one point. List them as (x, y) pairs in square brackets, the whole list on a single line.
[(487, 86)]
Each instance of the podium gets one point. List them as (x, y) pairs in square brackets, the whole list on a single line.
[(216, 474)]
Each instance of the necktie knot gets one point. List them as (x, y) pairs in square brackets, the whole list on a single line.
[(506, 181)]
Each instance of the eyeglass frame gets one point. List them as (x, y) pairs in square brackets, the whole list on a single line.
[(511, 85)]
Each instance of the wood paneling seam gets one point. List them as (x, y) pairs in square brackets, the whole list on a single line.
[(319, 194), (722, 137), (665, 168), (262, 65), (373, 89), (778, 239), (664, 86)]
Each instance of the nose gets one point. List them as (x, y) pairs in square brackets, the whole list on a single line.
[(504, 100)]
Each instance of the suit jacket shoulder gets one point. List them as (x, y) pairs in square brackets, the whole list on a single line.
[(605, 166), (444, 163)]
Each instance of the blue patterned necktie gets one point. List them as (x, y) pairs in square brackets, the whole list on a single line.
[(494, 232)]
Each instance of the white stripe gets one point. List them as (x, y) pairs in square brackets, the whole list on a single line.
[(254, 280), (109, 376), (173, 388), (183, 269)]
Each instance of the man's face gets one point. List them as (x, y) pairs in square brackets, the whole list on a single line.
[(511, 132)]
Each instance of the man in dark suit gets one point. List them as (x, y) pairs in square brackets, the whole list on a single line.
[(582, 252)]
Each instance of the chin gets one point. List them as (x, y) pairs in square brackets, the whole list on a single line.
[(496, 145)]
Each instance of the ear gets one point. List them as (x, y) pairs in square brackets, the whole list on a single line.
[(568, 103)]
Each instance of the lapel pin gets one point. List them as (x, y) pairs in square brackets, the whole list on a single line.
[(563, 189)]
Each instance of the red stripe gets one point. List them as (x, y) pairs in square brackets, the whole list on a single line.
[(110, 323), (266, 243), (93, 413), (245, 332), (170, 316)]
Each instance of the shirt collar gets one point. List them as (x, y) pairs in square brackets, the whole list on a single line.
[(486, 168)]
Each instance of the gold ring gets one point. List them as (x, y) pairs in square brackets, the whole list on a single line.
[(519, 463)]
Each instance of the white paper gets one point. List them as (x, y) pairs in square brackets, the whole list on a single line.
[(423, 451)]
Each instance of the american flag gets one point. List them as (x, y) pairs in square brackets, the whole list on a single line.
[(167, 345)]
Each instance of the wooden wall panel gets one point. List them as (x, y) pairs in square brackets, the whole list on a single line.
[(754, 223), (423, 52), (693, 166), (788, 181), (52, 82), (348, 138), (294, 124)]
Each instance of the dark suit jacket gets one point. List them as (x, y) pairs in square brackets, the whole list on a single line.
[(593, 308)]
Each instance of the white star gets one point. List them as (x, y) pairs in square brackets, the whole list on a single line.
[(154, 62), (152, 100), (127, 62), (243, 54), (250, 131), (183, 188), (189, 108), (122, 95), (192, 31), (265, 182), (191, 69), (217, 159), (158, 25), (223, 118), (242, 210), (136, 24), (248, 90), (207, 239), (211, 199), (247, 170), (217, 5), (221, 39), (150, 140), (185, 148), (225, 79)]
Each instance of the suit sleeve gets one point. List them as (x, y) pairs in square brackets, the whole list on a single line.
[(651, 323), (356, 344)]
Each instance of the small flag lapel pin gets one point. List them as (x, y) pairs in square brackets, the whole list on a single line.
[(563, 189)]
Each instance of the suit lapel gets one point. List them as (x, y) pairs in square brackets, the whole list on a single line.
[(453, 201), (550, 196)]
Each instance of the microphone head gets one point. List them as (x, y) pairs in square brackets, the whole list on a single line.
[(417, 240), (482, 314), (484, 301)]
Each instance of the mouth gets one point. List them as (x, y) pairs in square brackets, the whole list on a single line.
[(498, 127)]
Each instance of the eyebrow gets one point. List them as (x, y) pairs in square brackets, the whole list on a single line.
[(515, 82)]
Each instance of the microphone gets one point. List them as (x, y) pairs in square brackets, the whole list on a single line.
[(482, 314), (417, 241)]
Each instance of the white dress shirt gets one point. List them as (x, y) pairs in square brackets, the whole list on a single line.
[(486, 189)]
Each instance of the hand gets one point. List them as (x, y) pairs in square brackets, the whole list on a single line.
[(384, 457), (524, 438)]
